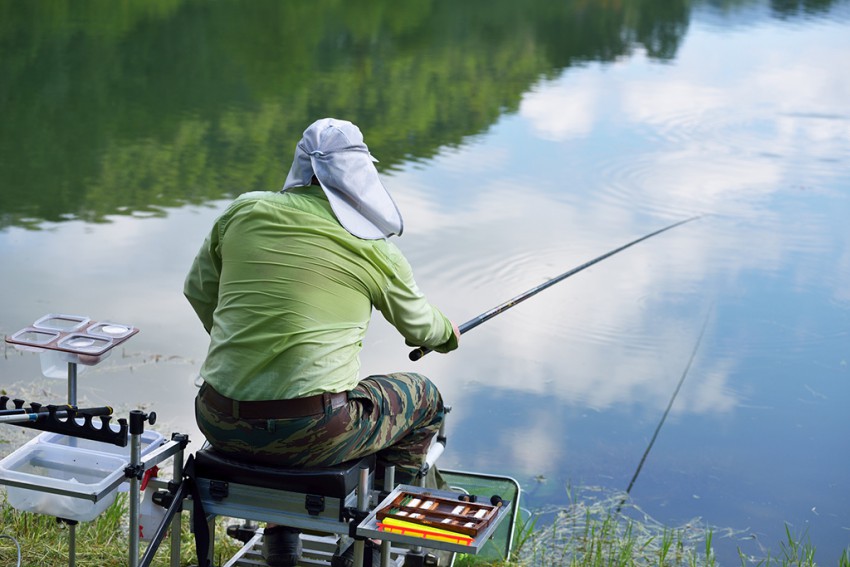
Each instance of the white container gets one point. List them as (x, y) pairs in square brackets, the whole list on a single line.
[(150, 515), (61, 322), (33, 339), (150, 440), (83, 344), (88, 479), (109, 330), (91, 470), (54, 363)]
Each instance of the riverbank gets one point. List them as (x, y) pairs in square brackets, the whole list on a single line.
[(585, 534), (599, 527)]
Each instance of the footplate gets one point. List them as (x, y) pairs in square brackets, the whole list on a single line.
[(316, 551)]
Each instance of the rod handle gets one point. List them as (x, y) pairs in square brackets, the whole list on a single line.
[(418, 353)]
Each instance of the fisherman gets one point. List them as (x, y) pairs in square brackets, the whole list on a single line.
[(285, 284)]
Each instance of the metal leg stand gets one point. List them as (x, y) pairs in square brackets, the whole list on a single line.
[(389, 484), (135, 462), (137, 427), (362, 506), (72, 383), (72, 544), (177, 474), (72, 526)]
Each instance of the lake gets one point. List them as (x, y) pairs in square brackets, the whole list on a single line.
[(520, 140)]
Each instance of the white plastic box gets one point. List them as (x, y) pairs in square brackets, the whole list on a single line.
[(68, 477), (89, 477), (150, 440)]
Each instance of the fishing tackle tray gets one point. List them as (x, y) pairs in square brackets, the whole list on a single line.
[(447, 520)]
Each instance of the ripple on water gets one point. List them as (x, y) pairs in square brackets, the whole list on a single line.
[(585, 309), (725, 163)]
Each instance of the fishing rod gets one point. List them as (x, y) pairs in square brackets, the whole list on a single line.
[(419, 352), (24, 416), (22, 410), (666, 412)]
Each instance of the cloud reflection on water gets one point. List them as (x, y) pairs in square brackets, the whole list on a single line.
[(602, 340)]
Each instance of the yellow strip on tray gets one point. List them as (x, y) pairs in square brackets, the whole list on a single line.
[(426, 532)]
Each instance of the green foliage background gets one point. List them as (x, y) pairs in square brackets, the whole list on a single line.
[(134, 106)]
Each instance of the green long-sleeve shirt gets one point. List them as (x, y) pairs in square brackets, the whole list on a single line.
[(286, 294)]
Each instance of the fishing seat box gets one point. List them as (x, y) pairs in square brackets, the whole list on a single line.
[(302, 498)]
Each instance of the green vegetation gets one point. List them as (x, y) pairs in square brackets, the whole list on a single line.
[(102, 543), (115, 110), (614, 541), (600, 529), (157, 104), (581, 536)]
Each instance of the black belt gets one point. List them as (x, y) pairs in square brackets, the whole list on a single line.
[(272, 409)]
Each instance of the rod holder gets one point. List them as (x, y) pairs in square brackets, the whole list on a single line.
[(66, 420)]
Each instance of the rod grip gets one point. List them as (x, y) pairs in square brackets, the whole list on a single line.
[(103, 410), (418, 353)]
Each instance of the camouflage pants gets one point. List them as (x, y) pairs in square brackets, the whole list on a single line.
[(395, 416)]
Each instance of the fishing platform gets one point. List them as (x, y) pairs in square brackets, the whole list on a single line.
[(74, 469)]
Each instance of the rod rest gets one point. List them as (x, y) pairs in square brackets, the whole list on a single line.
[(69, 424), (334, 481)]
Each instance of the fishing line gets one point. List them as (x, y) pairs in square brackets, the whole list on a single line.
[(418, 353), (666, 412)]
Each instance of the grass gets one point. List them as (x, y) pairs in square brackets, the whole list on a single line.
[(103, 542), (593, 531), (589, 533)]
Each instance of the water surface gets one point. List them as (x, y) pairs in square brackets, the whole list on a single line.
[(519, 142)]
